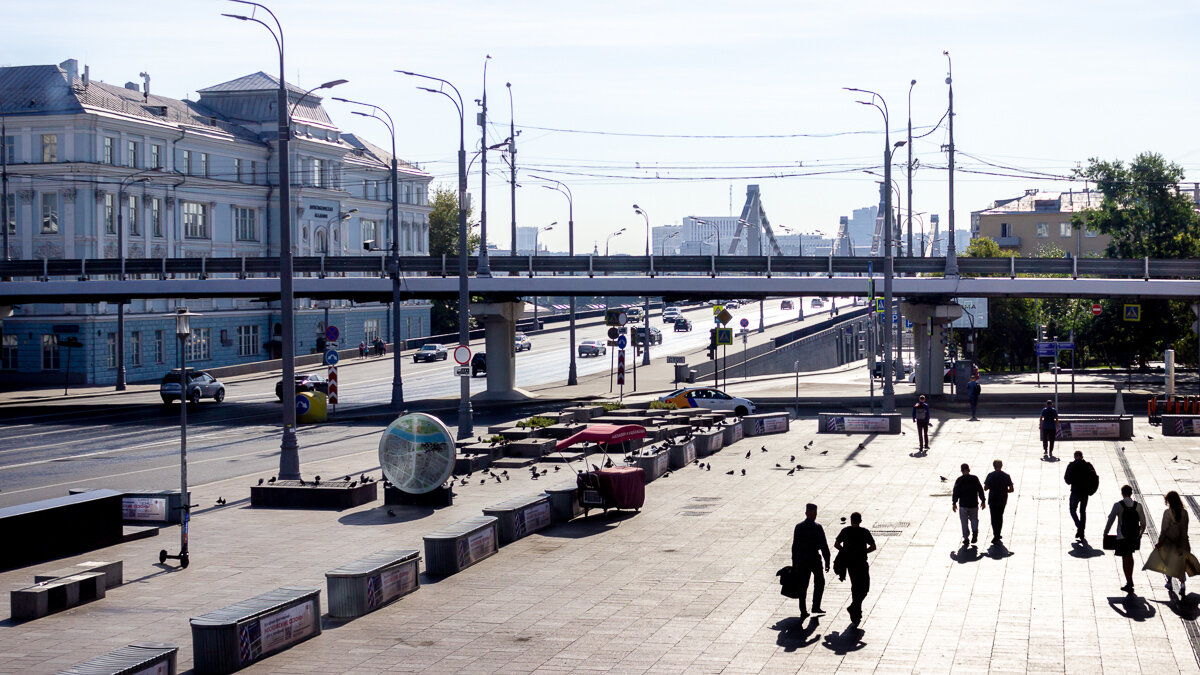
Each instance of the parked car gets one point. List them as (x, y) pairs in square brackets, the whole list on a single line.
[(640, 334), (522, 343), (786, 304), (592, 348), (304, 382), (431, 352), (670, 314), (200, 385), (479, 364), (682, 325), (707, 397)]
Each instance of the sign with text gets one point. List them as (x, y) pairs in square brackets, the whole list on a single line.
[(975, 313), (144, 508)]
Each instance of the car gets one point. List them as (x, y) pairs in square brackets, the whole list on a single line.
[(431, 352), (304, 382), (670, 314), (732, 304), (682, 325), (639, 334), (592, 348), (522, 343), (816, 302), (633, 314), (708, 397), (200, 385), (479, 364), (786, 304)]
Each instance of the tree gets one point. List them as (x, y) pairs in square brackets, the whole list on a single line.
[(1007, 344), (443, 239)]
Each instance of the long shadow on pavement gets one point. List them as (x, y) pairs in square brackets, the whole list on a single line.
[(795, 633), (1083, 551), (1132, 607), (386, 515), (849, 640), (966, 554), (998, 551), (589, 526)]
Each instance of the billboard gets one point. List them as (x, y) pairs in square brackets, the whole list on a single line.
[(975, 313)]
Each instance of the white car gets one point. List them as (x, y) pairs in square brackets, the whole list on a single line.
[(707, 397), (670, 314)]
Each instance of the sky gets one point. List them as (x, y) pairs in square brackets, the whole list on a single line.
[(678, 106)]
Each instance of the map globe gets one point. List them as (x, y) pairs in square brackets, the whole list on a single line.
[(416, 453)]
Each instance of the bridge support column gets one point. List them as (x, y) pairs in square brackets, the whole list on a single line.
[(500, 328), (929, 321)]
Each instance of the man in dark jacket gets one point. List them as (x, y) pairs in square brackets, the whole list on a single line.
[(1048, 424), (998, 485), (1084, 480), (921, 417), (809, 546), (973, 390), (853, 544), (966, 500)]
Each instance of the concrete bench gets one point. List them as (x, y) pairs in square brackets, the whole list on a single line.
[(1180, 425), (583, 413), (58, 527), (708, 442), (113, 572), (157, 658), (55, 595), (458, 546), (517, 518), (147, 506), (654, 464), (640, 420), (564, 503), (765, 423), (671, 431), (236, 636), (333, 494), (465, 464), (563, 430), (369, 583), (1098, 427), (691, 412), (681, 454), (530, 447), (731, 433), (858, 423), (519, 434)]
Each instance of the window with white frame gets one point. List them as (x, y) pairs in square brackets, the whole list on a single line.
[(237, 169), (135, 348), (1064, 230), (1006, 230), (187, 162), (156, 227), (112, 350), (1043, 230), (49, 148), (49, 213), (317, 168), (321, 241), (110, 150), (204, 164), (8, 352), (160, 346), (135, 225), (10, 149), (370, 330), (253, 172), (132, 152), (110, 214), (369, 232), (156, 151), (195, 220), (50, 355), (199, 344), (248, 342), (245, 225)]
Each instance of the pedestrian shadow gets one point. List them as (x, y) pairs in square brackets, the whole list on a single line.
[(849, 640), (1185, 607), (966, 554), (918, 454), (1051, 459), (998, 551), (1131, 606), (1083, 551), (795, 633)]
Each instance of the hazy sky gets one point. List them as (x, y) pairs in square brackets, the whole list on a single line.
[(1039, 87)]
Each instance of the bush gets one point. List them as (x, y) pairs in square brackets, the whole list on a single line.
[(497, 440), (535, 422), (609, 407), (662, 405)]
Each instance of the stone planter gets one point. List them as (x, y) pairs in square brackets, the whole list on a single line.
[(682, 454), (561, 431), (518, 434), (583, 413), (732, 433), (675, 430), (768, 423), (708, 442), (530, 447), (654, 465)]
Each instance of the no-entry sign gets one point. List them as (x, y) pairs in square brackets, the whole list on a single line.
[(1096, 309), (462, 355)]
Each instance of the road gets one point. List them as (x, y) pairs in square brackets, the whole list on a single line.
[(131, 441)]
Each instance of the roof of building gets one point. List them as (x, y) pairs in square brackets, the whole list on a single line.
[(259, 81), (1040, 201), (375, 152)]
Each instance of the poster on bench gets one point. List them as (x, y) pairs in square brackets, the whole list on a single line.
[(770, 425), (1075, 430), (861, 424), (532, 519), (1188, 427), (287, 627), (391, 584), (144, 508)]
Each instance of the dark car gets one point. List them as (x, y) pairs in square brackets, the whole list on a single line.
[(200, 385), (640, 335), (430, 352), (682, 325), (479, 364), (304, 382)]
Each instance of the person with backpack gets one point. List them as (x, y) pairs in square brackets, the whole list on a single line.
[(1131, 525), (1084, 482), (973, 391), (1048, 423), (920, 415)]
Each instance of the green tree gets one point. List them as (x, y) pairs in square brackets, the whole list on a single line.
[(1007, 344), (443, 239)]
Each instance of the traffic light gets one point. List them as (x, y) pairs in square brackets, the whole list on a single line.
[(712, 343), (1042, 332)]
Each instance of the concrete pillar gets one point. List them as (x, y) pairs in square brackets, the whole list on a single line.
[(500, 328), (929, 322)]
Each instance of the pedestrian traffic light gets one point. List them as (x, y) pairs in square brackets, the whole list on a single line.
[(712, 343)]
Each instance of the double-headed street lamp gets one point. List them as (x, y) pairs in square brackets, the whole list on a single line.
[(183, 330), (646, 312), (716, 230), (397, 375), (560, 187), (609, 238), (465, 426), (662, 249)]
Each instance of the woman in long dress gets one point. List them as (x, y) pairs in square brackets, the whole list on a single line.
[(1173, 546)]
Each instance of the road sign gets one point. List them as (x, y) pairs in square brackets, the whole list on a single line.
[(724, 317), (622, 318), (612, 343), (462, 355), (302, 404), (331, 333), (717, 309), (1050, 348), (1133, 312), (333, 385), (724, 336), (610, 317), (1096, 309), (621, 342), (676, 359), (331, 357), (744, 322), (462, 371), (879, 305), (613, 333)]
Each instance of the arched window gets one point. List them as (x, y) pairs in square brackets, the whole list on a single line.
[(321, 240)]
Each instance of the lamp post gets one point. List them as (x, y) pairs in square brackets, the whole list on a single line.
[(910, 167), (4, 182), (662, 252), (397, 374), (646, 301), (889, 394), (609, 238), (512, 165), (484, 269), (183, 330), (535, 252), (125, 182), (559, 186), (465, 427), (716, 230), (951, 260)]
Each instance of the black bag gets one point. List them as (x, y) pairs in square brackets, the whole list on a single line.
[(1093, 480), (1110, 542), (788, 585)]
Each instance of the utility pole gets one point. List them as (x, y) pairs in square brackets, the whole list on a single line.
[(951, 260), (4, 180), (910, 166), (484, 269), (512, 165)]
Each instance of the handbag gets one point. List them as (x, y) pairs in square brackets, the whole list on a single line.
[(1110, 542), (787, 582)]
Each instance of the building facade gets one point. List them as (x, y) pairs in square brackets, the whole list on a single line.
[(103, 171), (1036, 219)]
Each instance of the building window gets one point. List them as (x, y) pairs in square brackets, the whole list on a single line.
[(112, 350), (321, 239), (135, 348), (1043, 230), (49, 213), (156, 227), (248, 344), (10, 149), (160, 347), (245, 226), (195, 220), (253, 172), (1005, 230), (110, 150), (187, 162), (50, 357), (8, 352), (369, 232), (199, 345), (317, 168), (1064, 230), (370, 330), (237, 169), (135, 225), (110, 221), (204, 164), (1089, 232), (49, 148), (156, 156), (131, 154)]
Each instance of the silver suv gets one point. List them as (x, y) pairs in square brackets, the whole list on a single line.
[(200, 385)]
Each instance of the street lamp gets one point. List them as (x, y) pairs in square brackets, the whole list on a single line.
[(512, 167), (646, 311), (663, 248), (535, 252), (464, 335), (716, 229), (289, 449), (125, 182), (609, 238), (560, 187), (951, 259), (397, 375), (183, 330)]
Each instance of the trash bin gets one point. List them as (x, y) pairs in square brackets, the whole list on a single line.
[(310, 407), (691, 376), (681, 372)]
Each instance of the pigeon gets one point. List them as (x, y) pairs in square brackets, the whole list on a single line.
[(504, 473), (558, 468), (594, 468), (743, 472), (903, 433), (666, 475), (843, 519), (271, 480), (346, 478), (800, 467), (729, 472), (1122, 448), (391, 513), (608, 463), (764, 448), (747, 454), (862, 446), (260, 481), (220, 501), (1175, 458), (792, 471), (302, 482), (824, 452), (1149, 437), (943, 478), (534, 477), (479, 439), (708, 468), (777, 466), (353, 483), (793, 459), (362, 478), (317, 480), (545, 471), (695, 461)]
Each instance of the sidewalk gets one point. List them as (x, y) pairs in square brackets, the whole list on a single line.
[(687, 584)]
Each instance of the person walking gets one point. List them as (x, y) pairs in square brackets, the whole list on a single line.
[(998, 486), (1048, 423), (853, 544), (1084, 482), (1130, 527), (966, 500), (1173, 547), (921, 417), (973, 389), (809, 546), (362, 350)]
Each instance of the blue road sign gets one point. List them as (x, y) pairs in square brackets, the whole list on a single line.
[(744, 322), (331, 357), (724, 336), (301, 404), (332, 333), (1133, 312), (621, 342)]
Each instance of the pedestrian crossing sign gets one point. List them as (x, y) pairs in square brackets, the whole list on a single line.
[(879, 305), (1133, 312)]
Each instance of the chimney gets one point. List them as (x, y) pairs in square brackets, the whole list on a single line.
[(87, 75), (132, 86), (71, 66)]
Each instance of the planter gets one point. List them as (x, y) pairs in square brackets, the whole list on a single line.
[(768, 423), (851, 423), (731, 433), (583, 413), (682, 454), (654, 465), (530, 447), (708, 442)]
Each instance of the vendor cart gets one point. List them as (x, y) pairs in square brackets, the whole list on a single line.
[(610, 487)]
